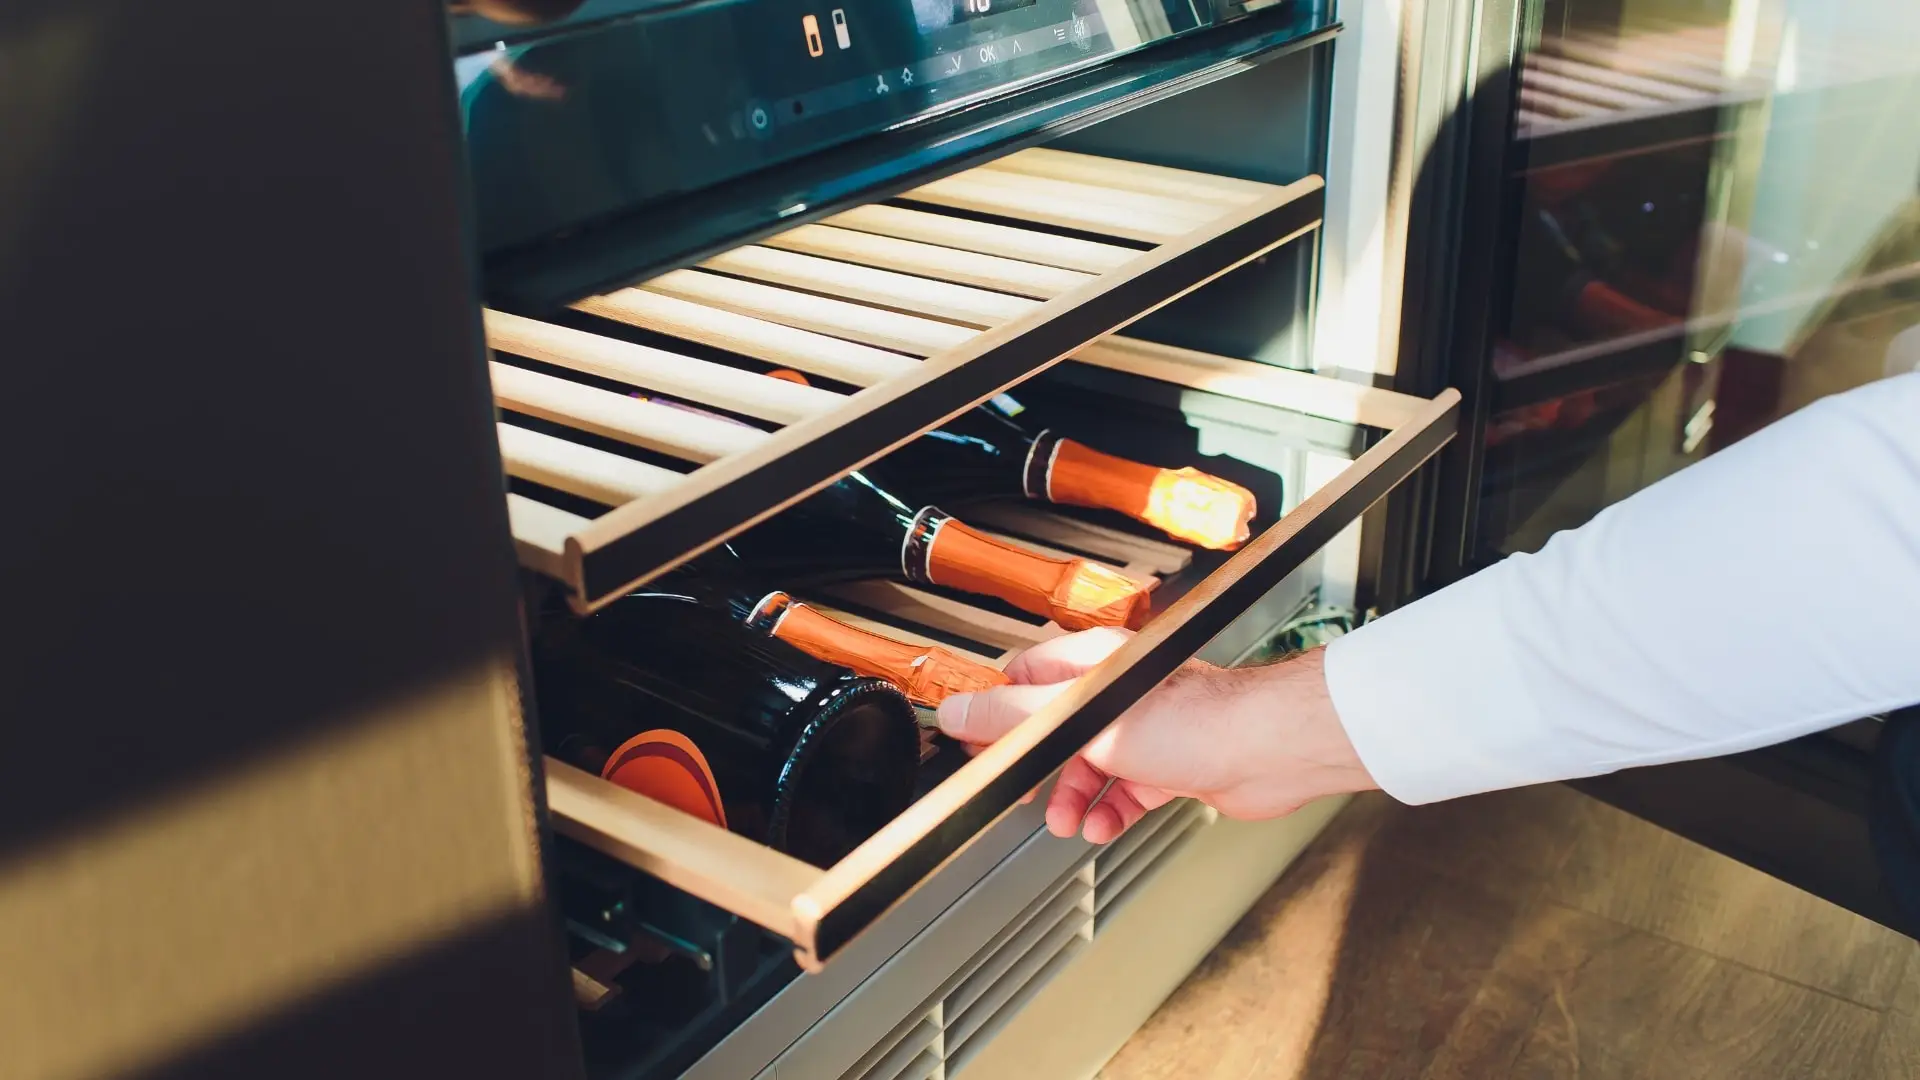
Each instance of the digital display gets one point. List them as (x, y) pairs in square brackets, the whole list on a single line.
[(934, 15)]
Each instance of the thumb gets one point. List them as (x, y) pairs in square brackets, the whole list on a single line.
[(989, 714)]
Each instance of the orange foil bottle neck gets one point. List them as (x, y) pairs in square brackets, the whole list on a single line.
[(1186, 504), (1075, 593), (928, 674)]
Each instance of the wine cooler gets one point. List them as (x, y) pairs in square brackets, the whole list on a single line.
[(503, 485)]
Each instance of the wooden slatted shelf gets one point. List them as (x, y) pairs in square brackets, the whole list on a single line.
[(922, 305), (906, 314)]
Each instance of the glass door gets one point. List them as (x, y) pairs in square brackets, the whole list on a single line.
[(1714, 212), (1675, 221)]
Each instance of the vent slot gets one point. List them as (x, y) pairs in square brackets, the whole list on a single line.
[(1068, 907), (1118, 873), (912, 1052)]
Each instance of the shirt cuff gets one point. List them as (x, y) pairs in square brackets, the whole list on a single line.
[(1432, 702)]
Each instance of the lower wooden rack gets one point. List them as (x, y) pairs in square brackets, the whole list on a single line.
[(908, 313), (913, 311), (819, 909)]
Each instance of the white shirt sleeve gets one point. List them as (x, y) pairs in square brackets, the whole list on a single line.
[(1767, 592)]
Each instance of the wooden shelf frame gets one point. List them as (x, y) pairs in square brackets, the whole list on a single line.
[(917, 333), (820, 909), (926, 313)]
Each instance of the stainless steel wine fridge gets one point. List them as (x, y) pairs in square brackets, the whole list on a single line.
[(364, 351)]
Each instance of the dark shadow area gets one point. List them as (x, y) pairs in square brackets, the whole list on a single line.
[(251, 441), (253, 492), (443, 1010)]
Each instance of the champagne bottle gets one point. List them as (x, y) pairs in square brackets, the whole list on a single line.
[(986, 452), (857, 529), (927, 674), (680, 702), (1184, 503)]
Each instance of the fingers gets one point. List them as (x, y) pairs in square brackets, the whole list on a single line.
[(1116, 811), (1067, 657), (1073, 795), (1120, 809), (1089, 803), (985, 716)]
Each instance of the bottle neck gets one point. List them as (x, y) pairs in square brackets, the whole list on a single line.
[(1075, 593), (928, 674), (1185, 503)]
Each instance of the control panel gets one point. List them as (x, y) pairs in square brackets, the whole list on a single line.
[(618, 108)]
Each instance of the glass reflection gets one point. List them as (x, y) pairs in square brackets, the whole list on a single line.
[(1717, 215)]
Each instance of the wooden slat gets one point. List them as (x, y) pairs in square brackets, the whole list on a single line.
[(1136, 176), (1614, 59), (580, 470), (1708, 56), (685, 435), (880, 288), (986, 238), (1588, 91), (755, 882), (591, 994), (540, 535), (675, 376), (930, 260), (855, 322), (1066, 205), (1110, 544), (1264, 384), (906, 603), (1261, 383), (1553, 105), (815, 354), (1619, 80), (916, 296)]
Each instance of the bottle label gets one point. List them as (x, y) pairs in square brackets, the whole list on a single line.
[(667, 767)]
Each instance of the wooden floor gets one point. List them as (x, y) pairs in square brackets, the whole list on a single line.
[(1534, 934)]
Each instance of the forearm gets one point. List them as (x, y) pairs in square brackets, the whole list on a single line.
[(1770, 591)]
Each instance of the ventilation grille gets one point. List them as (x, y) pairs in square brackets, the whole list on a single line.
[(1120, 869), (940, 1040)]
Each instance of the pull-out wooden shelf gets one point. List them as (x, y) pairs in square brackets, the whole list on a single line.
[(820, 909), (929, 311), (925, 306)]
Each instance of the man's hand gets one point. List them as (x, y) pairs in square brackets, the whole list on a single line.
[(1250, 742)]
